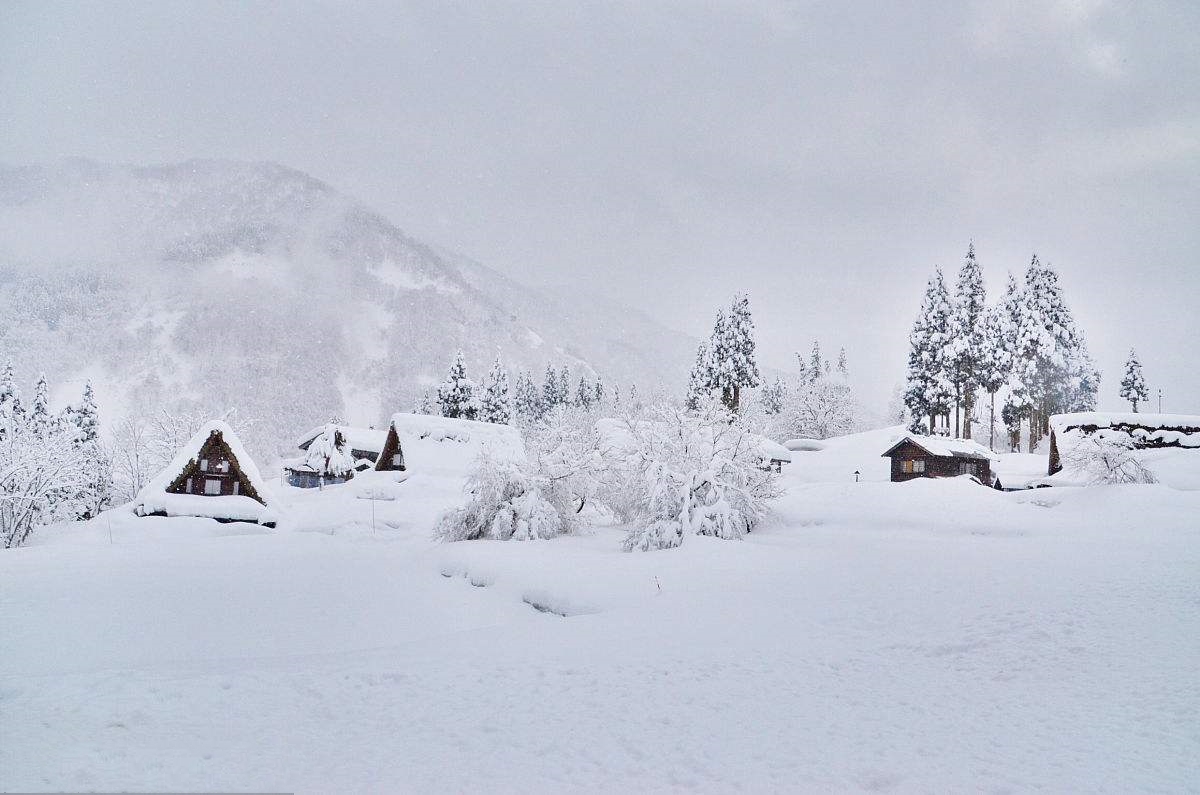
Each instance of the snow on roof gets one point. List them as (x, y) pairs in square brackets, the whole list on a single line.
[(453, 441), (944, 446), (1188, 423), (367, 439), (773, 451), (804, 445), (154, 496)]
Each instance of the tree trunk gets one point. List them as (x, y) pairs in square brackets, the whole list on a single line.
[(957, 402), (968, 407), (992, 424)]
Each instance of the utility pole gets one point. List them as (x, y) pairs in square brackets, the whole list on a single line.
[(1160, 400)]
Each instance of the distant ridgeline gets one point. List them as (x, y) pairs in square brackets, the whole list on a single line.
[(1143, 430)]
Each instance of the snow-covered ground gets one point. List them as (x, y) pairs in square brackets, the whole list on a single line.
[(918, 637)]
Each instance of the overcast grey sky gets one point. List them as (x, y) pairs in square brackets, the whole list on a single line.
[(822, 156)]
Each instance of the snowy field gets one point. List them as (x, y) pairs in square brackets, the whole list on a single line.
[(919, 637)]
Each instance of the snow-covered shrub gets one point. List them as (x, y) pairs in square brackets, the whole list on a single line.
[(679, 472), (44, 478), (507, 502), (1103, 457)]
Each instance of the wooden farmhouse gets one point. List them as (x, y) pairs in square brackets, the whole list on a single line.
[(211, 477), (938, 457), (444, 444), (365, 443), (1144, 431), (334, 454), (391, 458)]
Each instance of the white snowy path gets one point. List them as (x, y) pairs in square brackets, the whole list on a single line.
[(912, 638)]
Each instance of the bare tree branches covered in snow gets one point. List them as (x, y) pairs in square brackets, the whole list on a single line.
[(506, 501), (1103, 457), (52, 467), (688, 473)]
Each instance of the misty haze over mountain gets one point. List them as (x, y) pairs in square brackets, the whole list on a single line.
[(215, 285), (823, 158)]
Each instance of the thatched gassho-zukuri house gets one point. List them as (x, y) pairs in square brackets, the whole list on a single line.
[(1145, 431), (365, 443), (444, 444), (211, 477), (331, 457), (938, 457)]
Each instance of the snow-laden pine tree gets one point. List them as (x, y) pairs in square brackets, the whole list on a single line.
[(10, 399), (1052, 364), (842, 367), (87, 417), (773, 397), (495, 405), (1133, 384), (585, 394), (81, 424), (966, 347), (928, 391), (40, 420), (598, 391), (1016, 405), (564, 386), (456, 395), (743, 362), (728, 363), (527, 399), (550, 389), (702, 378), (424, 405), (995, 365), (816, 364)]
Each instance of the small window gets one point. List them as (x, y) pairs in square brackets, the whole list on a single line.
[(398, 460), (913, 465), (966, 468), (188, 488), (222, 466), (203, 464), (919, 465), (235, 487), (212, 486)]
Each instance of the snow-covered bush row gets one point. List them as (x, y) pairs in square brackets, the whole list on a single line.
[(537, 496), (667, 472)]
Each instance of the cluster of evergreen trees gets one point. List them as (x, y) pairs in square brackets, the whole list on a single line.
[(524, 401), (1025, 349), (52, 465)]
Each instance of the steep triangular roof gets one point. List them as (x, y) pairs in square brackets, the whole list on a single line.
[(254, 488), (943, 447)]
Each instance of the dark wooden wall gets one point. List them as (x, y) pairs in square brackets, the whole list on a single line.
[(935, 466)]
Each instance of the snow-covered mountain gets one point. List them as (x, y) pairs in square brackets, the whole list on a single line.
[(250, 285)]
